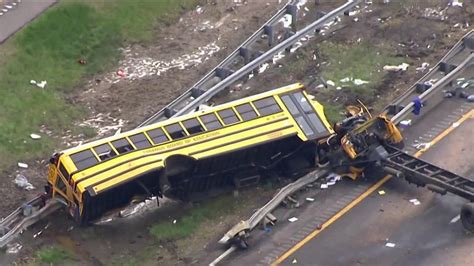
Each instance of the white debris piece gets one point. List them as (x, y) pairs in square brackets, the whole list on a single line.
[(331, 83), (382, 192), (23, 165), (346, 79), (423, 67), (406, 122), (390, 245), (310, 199), (294, 261), (455, 3), (422, 146), (455, 219), (13, 248), (35, 136), (401, 67), (455, 124), (22, 182), (199, 9), (286, 21), (324, 186), (293, 219), (263, 67), (42, 84), (359, 82), (415, 202)]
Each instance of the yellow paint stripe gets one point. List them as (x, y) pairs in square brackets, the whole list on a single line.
[(364, 195)]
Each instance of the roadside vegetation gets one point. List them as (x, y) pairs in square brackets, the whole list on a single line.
[(53, 255), (185, 226), (50, 49)]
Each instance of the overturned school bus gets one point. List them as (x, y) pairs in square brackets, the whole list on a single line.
[(226, 145)]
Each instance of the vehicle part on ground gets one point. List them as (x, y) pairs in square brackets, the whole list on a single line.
[(207, 87)]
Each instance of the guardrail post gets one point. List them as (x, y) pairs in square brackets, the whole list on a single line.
[(196, 92), (223, 73), (268, 30), (169, 112), (469, 43), (446, 68), (292, 10), (245, 53)]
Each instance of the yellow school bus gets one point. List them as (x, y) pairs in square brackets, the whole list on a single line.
[(226, 145)]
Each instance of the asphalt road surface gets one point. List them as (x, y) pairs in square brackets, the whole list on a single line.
[(425, 234), (18, 16)]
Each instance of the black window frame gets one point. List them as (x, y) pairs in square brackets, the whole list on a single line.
[(138, 143), (79, 163), (211, 123), (171, 133), (118, 148), (64, 172), (266, 107), (249, 110), (111, 152), (233, 116), (159, 138), (191, 128)]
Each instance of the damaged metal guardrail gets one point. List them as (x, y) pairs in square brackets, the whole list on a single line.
[(451, 61), (240, 231), (24, 216), (199, 94)]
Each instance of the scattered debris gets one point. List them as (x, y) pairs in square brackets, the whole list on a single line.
[(406, 123), (382, 192), (41, 84), (263, 67), (455, 219), (14, 248), (390, 245), (293, 219), (309, 199), (401, 67), (455, 124), (323, 186), (331, 83), (21, 181), (455, 3), (294, 261), (35, 136), (422, 146), (470, 98), (424, 66), (415, 202), (23, 165), (359, 82)]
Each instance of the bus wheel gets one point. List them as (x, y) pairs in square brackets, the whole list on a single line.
[(467, 216)]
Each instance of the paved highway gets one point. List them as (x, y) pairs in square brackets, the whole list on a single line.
[(15, 18)]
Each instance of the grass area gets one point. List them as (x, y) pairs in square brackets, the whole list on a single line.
[(333, 112), (186, 225), (53, 255), (49, 49), (360, 61)]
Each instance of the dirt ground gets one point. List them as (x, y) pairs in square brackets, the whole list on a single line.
[(156, 73)]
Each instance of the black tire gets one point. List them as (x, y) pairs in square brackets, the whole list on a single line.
[(467, 217)]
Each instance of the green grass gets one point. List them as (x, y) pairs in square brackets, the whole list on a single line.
[(53, 255), (193, 218), (334, 113), (49, 48), (359, 61)]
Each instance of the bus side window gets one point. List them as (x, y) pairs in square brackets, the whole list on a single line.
[(193, 126), (64, 172), (122, 145), (246, 111), (176, 131), (157, 135), (211, 122), (84, 159), (267, 106), (104, 152), (140, 141), (228, 116), (60, 184)]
